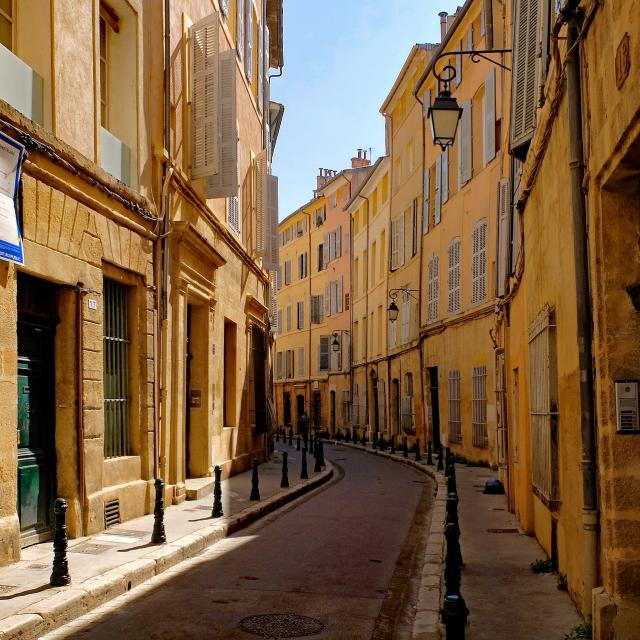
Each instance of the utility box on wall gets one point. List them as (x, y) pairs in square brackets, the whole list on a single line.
[(627, 418)]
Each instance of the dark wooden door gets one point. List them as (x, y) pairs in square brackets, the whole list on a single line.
[(435, 405)]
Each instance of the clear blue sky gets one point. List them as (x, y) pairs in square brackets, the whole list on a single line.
[(341, 59)]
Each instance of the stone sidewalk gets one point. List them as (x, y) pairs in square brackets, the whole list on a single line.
[(107, 564)]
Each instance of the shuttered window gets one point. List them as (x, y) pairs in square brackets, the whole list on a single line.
[(280, 327), (405, 316), (479, 408), (346, 408), (454, 422), (444, 186), (116, 369), (240, 9), (272, 252), (289, 318), (438, 191), (407, 414), (465, 145), (503, 236), (434, 288), (224, 184), (317, 309), (426, 201), (301, 361), (526, 40), (260, 68), (397, 242), (415, 234), (287, 272), (323, 353), (203, 37), (489, 114), (543, 403), (248, 41), (300, 318), (479, 263), (454, 276), (262, 187), (303, 265)]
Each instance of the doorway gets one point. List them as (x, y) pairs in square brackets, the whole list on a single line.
[(395, 406), (286, 408), (188, 402), (299, 407), (435, 405), (317, 409), (332, 400), (36, 408)]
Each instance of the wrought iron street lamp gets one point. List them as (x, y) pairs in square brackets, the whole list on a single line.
[(393, 310)]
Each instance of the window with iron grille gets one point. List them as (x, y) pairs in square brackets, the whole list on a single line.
[(116, 369), (455, 424), (454, 276), (479, 408), (434, 289), (479, 263), (543, 403)]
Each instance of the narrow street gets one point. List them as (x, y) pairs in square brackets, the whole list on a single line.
[(347, 555)]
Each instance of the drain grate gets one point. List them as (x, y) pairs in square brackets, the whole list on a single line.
[(281, 625), (112, 512), (503, 531), (6, 587), (90, 548), (38, 565)]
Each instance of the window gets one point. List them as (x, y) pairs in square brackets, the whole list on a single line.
[(103, 69), (426, 200), (543, 403), (438, 191), (321, 264), (289, 318), (303, 265), (333, 294), (414, 227), (280, 325), (454, 276), (333, 240), (407, 415), (373, 262), (384, 193), (489, 109), (346, 408), (240, 11), (248, 40), (290, 363), (279, 365), (455, 424), (354, 344), (465, 145), (6, 24), (434, 289), (383, 252), (300, 361), (287, 272), (504, 193), (397, 242), (301, 314), (116, 369), (323, 353), (405, 316), (479, 263), (479, 408), (317, 309)]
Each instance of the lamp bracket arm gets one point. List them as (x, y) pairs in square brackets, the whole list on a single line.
[(476, 56)]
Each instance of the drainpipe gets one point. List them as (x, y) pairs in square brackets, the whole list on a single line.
[(366, 311), (584, 316), (80, 407)]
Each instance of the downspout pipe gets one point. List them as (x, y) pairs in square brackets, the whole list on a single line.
[(366, 310), (583, 310)]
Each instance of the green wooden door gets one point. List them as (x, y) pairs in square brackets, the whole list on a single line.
[(36, 428)]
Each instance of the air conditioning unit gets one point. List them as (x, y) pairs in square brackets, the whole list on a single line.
[(627, 415)]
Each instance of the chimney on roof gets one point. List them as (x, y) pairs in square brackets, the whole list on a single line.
[(443, 25), (324, 175), (361, 160)]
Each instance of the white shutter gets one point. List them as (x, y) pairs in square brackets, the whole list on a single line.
[(490, 117), (406, 301), (526, 41), (301, 361), (248, 52), (340, 295), (280, 325), (338, 233), (470, 38), (445, 175), (454, 276), (261, 203), (289, 318), (225, 182), (400, 222), (482, 261), (458, 67), (272, 256), (438, 192), (432, 306), (265, 77), (325, 251), (503, 236), (327, 299), (426, 103), (465, 145), (204, 41), (260, 68), (321, 308), (240, 9), (426, 201)]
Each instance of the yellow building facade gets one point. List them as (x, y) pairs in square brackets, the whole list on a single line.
[(111, 329)]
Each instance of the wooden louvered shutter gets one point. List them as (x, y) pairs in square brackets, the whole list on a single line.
[(339, 295), (248, 51), (526, 41), (271, 257), (204, 41), (325, 251), (445, 175), (438, 191), (327, 299), (426, 201), (261, 203), (465, 145), (225, 183), (490, 117), (400, 223), (338, 242), (260, 67), (503, 236), (240, 9)]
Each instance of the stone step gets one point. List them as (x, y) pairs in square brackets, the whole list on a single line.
[(198, 487)]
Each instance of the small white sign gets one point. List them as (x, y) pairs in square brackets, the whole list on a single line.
[(93, 304)]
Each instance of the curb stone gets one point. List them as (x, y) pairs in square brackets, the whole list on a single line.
[(79, 599), (426, 625)]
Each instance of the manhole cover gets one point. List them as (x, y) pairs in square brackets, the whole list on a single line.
[(281, 625), (38, 565)]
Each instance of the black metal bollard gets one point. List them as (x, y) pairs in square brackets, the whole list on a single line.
[(255, 482), (383, 444), (454, 611), (318, 466), (311, 451), (158, 536), (449, 464), (429, 453), (284, 483), (374, 441), (405, 449), (304, 473), (393, 444), (278, 434), (217, 493), (291, 437), (418, 456), (60, 573), (451, 484), (363, 442), (440, 466), (451, 518), (298, 444)]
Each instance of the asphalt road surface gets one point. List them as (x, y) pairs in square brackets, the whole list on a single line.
[(347, 556)]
